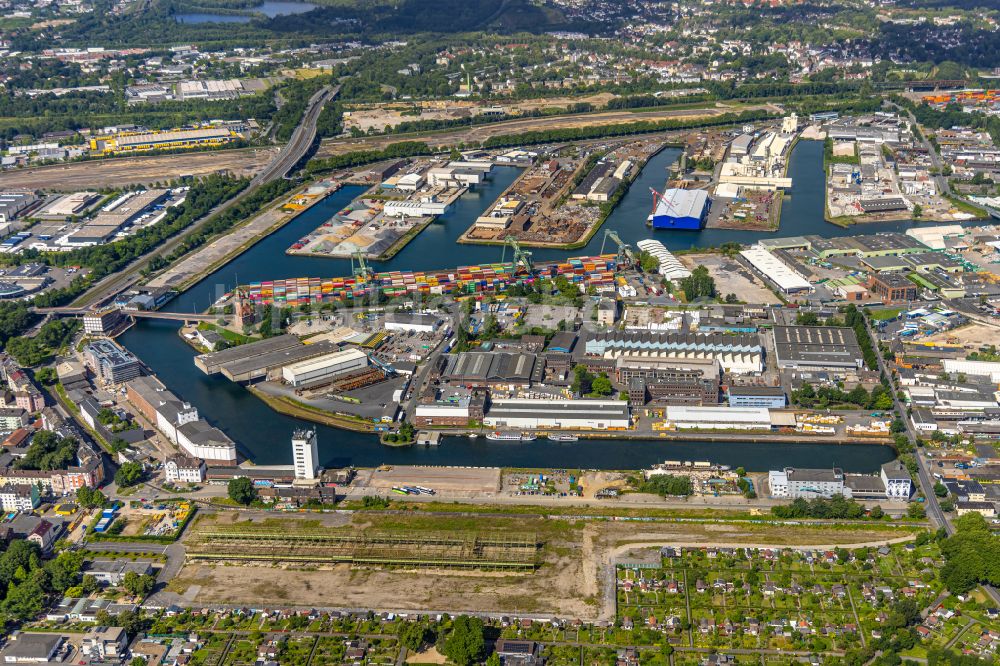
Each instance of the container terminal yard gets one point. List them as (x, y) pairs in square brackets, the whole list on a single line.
[(464, 280)]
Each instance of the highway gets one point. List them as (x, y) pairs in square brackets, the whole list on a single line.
[(291, 153), (302, 138)]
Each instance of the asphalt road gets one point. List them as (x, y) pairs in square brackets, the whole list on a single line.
[(290, 154), (302, 138), (939, 179), (923, 476)]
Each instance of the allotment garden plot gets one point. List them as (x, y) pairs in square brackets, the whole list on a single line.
[(775, 598)]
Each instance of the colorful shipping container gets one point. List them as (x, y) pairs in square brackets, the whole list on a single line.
[(488, 278)]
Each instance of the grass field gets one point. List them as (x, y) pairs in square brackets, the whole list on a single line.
[(882, 314)]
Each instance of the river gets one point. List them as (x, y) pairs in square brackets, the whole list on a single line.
[(264, 436), (269, 9)]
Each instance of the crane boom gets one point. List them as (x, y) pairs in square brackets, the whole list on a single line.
[(626, 256), (521, 258)]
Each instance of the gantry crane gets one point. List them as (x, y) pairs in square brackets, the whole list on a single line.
[(626, 257), (522, 258)]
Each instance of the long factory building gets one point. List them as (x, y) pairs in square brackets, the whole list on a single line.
[(775, 271), (179, 421), (738, 354), (263, 360), (566, 414), (322, 368), (130, 142)]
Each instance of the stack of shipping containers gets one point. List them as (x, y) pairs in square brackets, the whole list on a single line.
[(465, 280)]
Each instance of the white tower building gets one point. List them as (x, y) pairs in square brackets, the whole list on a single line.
[(305, 454)]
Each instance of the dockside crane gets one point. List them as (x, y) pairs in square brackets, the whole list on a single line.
[(522, 258), (626, 257), (363, 273)]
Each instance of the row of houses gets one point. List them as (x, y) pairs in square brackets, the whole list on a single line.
[(88, 472)]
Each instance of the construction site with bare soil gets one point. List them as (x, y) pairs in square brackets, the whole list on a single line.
[(454, 561)]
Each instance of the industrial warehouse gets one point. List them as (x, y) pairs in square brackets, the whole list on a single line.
[(776, 271), (133, 142), (568, 414), (739, 354), (324, 367), (680, 209), (178, 421), (262, 360)]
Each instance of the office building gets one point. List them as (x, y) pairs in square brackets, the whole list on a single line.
[(796, 483), (892, 288), (770, 397), (103, 322), (110, 362), (104, 643), (452, 407), (305, 454), (896, 478), (693, 391)]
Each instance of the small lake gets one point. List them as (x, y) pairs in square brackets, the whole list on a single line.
[(268, 9)]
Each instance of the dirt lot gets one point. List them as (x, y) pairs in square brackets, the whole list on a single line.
[(428, 656), (731, 278), (446, 479), (576, 559), (121, 171), (593, 482), (473, 135), (973, 336)]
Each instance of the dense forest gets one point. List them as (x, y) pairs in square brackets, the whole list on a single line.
[(156, 25), (962, 43)]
